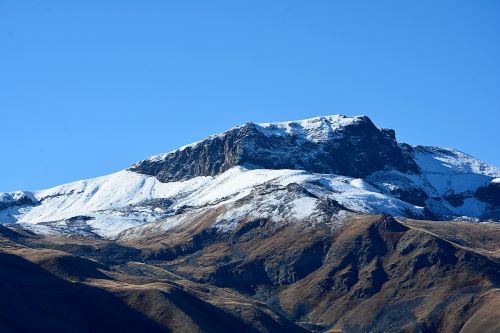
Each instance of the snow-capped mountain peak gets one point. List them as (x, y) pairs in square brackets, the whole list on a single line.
[(307, 170), (335, 145), (318, 129)]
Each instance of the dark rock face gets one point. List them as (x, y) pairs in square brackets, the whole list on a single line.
[(456, 199), (414, 196), (489, 194), (355, 150)]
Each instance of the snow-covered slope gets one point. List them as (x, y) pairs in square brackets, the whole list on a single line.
[(113, 203), (214, 175)]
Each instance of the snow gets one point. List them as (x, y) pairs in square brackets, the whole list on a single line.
[(445, 160), (303, 207), (10, 215), (111, 200), (471, 207), (13, 197), (319, 129), (363, 185), (108, 192), (120, 201), (363, 200), (279, 205), (117, 201), (273, 202), (235, 184), (125, 202), (451, 170)]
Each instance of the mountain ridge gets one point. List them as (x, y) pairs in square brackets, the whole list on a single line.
[(332, 144), (345, 160)]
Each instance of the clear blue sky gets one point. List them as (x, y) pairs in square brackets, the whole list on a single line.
[(89, 87)]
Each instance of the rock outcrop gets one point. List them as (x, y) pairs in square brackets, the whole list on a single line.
[(355, 148)]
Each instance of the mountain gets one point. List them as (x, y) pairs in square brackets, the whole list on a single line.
[(320, 168), (340, 145), (372, 273), (321, 225)]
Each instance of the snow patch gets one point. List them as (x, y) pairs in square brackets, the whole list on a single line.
[(303, 207), (319, 129)]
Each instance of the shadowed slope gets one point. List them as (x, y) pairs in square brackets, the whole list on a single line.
[(34, 300), (47, 290)]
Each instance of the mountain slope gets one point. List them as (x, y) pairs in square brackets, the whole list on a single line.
[(47, 290), (372, 273), (345, 162), (321, 225)]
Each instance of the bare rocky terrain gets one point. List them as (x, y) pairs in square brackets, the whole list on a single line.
[(372, 274)]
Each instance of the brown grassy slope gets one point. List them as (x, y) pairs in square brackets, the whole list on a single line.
[(35, 300), (46, 290), (479, 237), (373, 274)]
